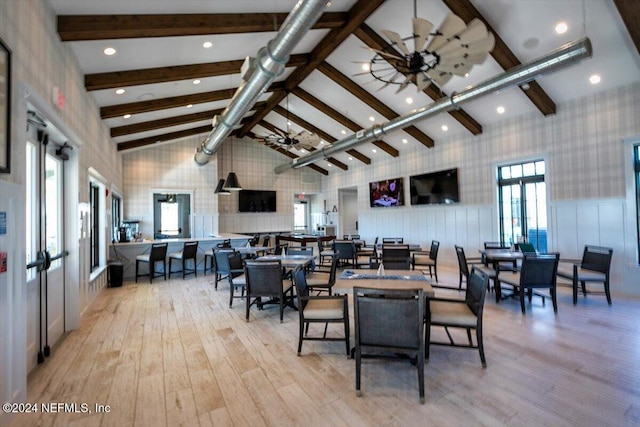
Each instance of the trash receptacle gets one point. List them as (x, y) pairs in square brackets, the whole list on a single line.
[(115, 270)]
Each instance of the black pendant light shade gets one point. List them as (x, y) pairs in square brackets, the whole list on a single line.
[(232, 183), (220, 189)]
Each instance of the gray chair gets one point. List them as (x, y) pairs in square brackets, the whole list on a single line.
[(393, 240), (396, 257), (345, 251), (388, 323), (222, 264), (209, 261), (595, 267), (322, 278), (157, 254), (188, 252), (458, 313), (264, 280), (537, 272), (325, 250), (235, 276), (427, 259), (319, 309), (464, 263)]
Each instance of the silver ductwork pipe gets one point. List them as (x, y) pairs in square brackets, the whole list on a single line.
[(562, 57), (260, 73)]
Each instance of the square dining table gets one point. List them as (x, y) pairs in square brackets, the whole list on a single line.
[(391, 279)]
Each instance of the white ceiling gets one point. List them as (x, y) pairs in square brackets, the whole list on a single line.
[(526, 26)]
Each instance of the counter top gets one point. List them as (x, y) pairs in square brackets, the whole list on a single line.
[(222, 236)]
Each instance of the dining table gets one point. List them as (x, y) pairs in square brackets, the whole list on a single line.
[(252, 251), (495, 257), (290, 262), (390, 279)]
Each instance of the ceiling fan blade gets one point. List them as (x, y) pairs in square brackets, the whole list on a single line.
[(438, 77), (457, 69), (422, 81), (479, 46), (384, 54), (451, 26), (404, 84), (421, 30), (476, 58), (482, 45), (476, 30), (377, 71), (396, 40)]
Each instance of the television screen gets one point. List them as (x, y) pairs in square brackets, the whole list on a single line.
[(256, 201), (387, 193), (434, 188)]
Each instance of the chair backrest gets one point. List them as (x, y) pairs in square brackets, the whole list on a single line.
[(476, 291), (433, 252), (254, 240), (158, 252), (300, 281), (597, 258), (494, 245), (263, 278), (462, 261), (395, 252), (224, 244), (222, 260), (398, 240), (539, 271), (236, 267), (189, 250), (299, 250), (345, 249), (391, 318), (526, 248), (266, 241)]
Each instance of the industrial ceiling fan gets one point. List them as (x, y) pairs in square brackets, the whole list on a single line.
[(452, 49), (301, 140)]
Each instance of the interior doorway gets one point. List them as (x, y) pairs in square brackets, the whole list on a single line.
[(348, 210)]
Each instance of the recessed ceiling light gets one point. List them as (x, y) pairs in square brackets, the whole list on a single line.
[(196, 82), (561, 27), (207, 45), (303, 150), (344, 132), (372, 119), (500, 109), (119, 91), (322, 142), (595, 79), (404, 140), (445, 128), (350, 158), (374, 151), (189, 105), (126, 116), (366, 66), (409, 100), (288, 123), (329, 164), (466, 75), (109, 51)]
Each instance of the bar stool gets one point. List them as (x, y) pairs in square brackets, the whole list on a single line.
[(158, 254), (188, 252)]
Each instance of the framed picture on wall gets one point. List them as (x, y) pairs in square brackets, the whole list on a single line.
[(5, 108)]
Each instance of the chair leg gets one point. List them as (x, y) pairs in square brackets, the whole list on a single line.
[(554, 300), (152, 270), (231, 298), (522, 291), (421, 375), (606, 291), (137, 263), (427, 339), (164, 268), (302, 323), (435, 272), (346, 334), (358, 362), (575, 290), (584, 288), (480, 345)]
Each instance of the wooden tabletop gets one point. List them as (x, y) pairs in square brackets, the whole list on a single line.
[(411, 279)]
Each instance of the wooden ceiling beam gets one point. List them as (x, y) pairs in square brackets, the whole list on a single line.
[(324, 135), (357, 15), (291, 155), (105, 27), (373, 40), (117, 79), (139, 107), (630, 13), (340, 118), (373, 102), (136, 143), (503, 55)]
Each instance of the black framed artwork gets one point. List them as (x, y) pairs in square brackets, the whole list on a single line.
[(5, 108)]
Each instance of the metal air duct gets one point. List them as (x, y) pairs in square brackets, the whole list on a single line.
[(260, 72), (564, 56)]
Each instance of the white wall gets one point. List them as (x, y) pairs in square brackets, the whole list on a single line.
[(583, 147)]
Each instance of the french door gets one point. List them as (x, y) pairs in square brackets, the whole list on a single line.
[(44, 243)]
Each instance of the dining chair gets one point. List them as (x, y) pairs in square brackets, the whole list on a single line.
[(503, 266), (209, 260), (188, 252), (427, 259), (345, 251), (538, 272), (222, 264), (464, 263), (157, 254), (323, 278), (264, 280), (388, 323), (325, 250), (459, 313), (595, 267), (226, 243), (319, 309), (393, 240), (396, 257), (235, 276)]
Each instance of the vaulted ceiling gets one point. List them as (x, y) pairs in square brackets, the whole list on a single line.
[(174, 86)]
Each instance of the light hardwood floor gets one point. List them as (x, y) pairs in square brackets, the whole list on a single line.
[(173, 354)]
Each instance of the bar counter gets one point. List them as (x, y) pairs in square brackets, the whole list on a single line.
[(127, 252)]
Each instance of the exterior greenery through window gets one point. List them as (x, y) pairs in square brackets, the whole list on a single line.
[(522, 199), (94, 203)]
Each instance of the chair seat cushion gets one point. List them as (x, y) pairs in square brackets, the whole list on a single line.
[(208, 252), (452, 313), (327, 253), (423, 260), (176, 255), (583, 275), (286, 285), (240, 280), (143, 257), (324, 309), (317, 279)]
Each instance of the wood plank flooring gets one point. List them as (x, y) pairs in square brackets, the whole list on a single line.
[(173, 354)]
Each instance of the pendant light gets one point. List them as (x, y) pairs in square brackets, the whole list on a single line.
[(220, 189), (232, 183)]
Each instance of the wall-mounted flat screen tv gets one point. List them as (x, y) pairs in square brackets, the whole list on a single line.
[(256, 201), (434, 188), (387, 193)]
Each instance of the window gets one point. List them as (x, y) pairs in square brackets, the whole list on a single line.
[(116, 203), (94, 202), (300, 214), (522, 199), (636, 173)]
